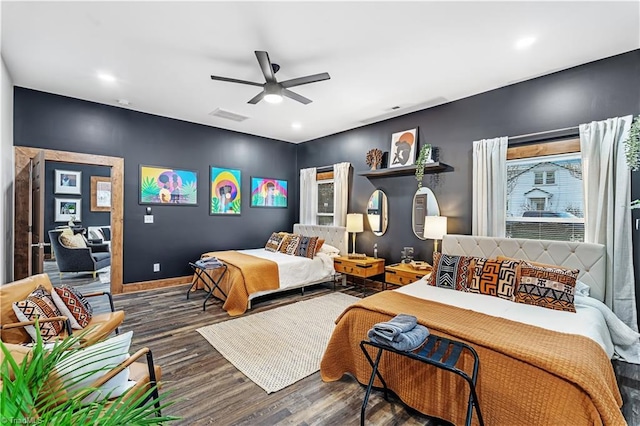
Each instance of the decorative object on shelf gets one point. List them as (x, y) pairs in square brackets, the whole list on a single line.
[(163, 185), (632, 151), (435, 227), (100, 194), (267, 192), (355, 224), (420, 265), (424, 158), (225, 191), (356, 256), (67, 209), (407, 254), (68, 182), (403, 148), (374, 158)]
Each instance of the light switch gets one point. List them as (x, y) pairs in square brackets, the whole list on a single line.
[(148, 218)]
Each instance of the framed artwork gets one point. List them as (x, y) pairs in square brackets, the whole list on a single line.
[(100, 194), (67, 209), (225, 191), (67, 182), (267, 192), (163, 185), (403, 148)]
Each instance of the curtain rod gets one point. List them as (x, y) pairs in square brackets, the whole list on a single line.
[(558, 132)]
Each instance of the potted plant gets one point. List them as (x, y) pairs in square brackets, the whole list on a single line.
[(424, 157)]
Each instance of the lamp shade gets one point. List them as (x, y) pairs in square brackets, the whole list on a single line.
[(435, 227), (355, 222)]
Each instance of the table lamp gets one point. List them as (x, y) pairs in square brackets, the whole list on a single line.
[(435, 227), (355, 223)]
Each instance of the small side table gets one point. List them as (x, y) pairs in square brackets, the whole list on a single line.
[(402, 273), (209, 283), (362, 268)]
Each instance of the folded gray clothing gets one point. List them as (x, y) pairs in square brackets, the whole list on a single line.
[(209, 262), (401, 323), (407, 341)]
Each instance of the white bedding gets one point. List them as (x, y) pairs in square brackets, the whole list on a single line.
[(589, 320), (295, 271)]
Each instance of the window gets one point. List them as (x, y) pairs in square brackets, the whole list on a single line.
[(325, 199), (545, 198)]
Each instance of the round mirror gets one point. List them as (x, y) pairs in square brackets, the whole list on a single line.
[(424, 204), (377, 212)]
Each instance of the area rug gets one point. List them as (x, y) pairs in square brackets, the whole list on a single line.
[(279, 347)]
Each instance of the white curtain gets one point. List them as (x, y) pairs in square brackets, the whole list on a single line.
[(340, 193), (489, 200), (607, 194), (308, 196)]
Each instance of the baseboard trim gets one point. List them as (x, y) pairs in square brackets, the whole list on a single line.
[(154, 284)]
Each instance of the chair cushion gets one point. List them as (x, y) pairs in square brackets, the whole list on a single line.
[(73, 241), (102, 325), (39, 304), (73, 305), (100, 256)]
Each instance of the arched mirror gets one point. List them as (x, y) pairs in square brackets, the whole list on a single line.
[(424, 204), (377, 212)]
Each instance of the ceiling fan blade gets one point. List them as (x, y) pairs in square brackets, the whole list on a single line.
[(265, 65), (305, 80), (293, 95), (257, 98), (235, 80)]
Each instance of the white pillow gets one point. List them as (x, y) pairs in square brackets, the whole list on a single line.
[(329, 249), (86, 365), (582, 288)]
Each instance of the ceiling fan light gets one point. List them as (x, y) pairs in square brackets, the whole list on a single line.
[(273, 98)]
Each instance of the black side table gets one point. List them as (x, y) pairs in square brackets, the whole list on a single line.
[(210, 284)]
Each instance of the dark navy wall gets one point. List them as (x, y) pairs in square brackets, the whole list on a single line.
[(180, 233), (594, 91)]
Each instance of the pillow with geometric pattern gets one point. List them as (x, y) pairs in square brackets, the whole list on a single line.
[(307, 247), (552, 288), (73, 305), (453, 272), (39, 304), (290, 244), (273, 244), (495, 277)]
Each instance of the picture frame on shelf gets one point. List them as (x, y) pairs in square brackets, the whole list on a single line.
[(68, 182), (225, 195), (403, 148), (168, 186), (67, 209), (100, 194), (269, 192)]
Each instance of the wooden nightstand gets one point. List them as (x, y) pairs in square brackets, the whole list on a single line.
[(363, 268), (402, 273)]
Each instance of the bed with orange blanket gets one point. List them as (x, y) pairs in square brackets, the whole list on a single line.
[(528, 375)]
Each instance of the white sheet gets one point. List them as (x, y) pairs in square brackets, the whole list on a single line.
[(588, 321), (295, 271)]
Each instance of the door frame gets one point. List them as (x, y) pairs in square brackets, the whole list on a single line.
[(23, 156)]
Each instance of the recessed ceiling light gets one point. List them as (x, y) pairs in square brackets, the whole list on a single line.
[(295, 125), (525, 42), (106, 77), (124, 102)]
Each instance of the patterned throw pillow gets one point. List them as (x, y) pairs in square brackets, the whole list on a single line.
[(292, 243), (286, 240), (73, 305), (273, 244), (39, 304), (453, 272), (495, 277), (307, 247), (552, 288), (73, 241)]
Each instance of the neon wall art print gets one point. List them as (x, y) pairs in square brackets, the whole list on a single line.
[(166, 186), (225, 195), (268, 192)]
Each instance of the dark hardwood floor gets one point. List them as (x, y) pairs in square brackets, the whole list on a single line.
[(210, 390)]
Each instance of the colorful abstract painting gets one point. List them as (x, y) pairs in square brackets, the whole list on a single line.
[(162, 185), (225, 191), (266, 192)]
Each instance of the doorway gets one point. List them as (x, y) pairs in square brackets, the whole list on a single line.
[(22, 243)]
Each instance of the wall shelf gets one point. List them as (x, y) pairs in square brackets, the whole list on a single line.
[(436, 167)]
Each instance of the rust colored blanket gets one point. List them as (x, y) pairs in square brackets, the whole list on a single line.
[(245, 275), (527, 375)]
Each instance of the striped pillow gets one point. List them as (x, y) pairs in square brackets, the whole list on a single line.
[(39, 304), (307, 247), (453, 272)]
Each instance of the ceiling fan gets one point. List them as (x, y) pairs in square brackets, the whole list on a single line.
[(272, 90)]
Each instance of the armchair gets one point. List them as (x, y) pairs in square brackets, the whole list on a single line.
[(83, 259)]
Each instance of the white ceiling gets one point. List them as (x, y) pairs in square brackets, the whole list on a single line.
[(379, 54)]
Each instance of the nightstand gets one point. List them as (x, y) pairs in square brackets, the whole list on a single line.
[(402, 273), (363, 268)]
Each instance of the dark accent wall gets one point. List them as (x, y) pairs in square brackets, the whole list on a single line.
[(595, 91), (179, 234)]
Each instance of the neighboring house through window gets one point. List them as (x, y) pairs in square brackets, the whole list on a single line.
[(325, 198)]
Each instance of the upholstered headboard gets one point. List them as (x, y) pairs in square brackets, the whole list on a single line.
[(334, 235), (590, 258)]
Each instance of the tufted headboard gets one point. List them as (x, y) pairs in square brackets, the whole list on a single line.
[(590, 258), (334, 235)]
